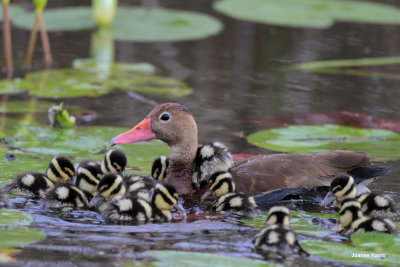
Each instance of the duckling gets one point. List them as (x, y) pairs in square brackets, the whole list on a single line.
[(352, 220), (87, 178), (59, 171), (159, 168), (139, 183), (222, 186), (114, 162), (343, 187), (276, 236), (110, 186), (210, 159), (139, 209), (65, 196), (378, 205)]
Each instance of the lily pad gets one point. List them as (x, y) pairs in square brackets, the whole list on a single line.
[(24, 106), (381, 144), (369, 248), (130, 24), (85, 81), (14, 218), (309, 13), (14, 86), (91, 65), (19, 237), (181, 258), (298, 222)]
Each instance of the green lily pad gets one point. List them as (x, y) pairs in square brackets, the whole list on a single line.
[(181, 258), (368, 248), (297, 223), (14, 218), (309, 13), (130, 24), (85, 81), (91, 65), (346, 66), (381, 144), (14, 86), (13, 10), (19, 237), (24, 106)]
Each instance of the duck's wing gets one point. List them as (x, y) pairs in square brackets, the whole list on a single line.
[(264, 173)]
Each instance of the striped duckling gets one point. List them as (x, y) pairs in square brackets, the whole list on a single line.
[(110, 186), (59, 171), (159, 168), (222, 186), (114, 162), (78, 195), (209, 159), (352, 220), (139, 209), (343, 187), (277, 236)]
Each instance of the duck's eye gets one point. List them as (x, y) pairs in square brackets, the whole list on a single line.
[(165, 117)]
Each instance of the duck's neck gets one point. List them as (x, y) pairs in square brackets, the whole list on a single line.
[(179, 172)]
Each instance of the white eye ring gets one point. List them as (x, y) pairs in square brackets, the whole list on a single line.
[(165, 117)]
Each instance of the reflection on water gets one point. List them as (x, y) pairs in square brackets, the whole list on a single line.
[(238, 76)]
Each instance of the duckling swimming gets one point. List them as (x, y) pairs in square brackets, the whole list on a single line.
[(114, 162), (210, 159), (59, 171), (222, 186), (276, 236), (110, 186), (352, 220), (65, 196), (138, 209), (87, 178)]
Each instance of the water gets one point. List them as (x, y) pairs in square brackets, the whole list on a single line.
[(239, 77)]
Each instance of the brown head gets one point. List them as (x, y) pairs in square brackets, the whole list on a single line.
[(173, 124)]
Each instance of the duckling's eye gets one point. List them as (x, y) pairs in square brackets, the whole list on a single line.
[(165, 117)]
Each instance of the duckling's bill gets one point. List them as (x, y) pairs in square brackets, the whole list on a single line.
[(96, 200), (141, 132), (328, 199)]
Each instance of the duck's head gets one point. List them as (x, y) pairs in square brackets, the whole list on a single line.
[(278, 215), (173, 124), (159, 168), (165, 197), (110, 186), (60, 170), (113, 162), (88, 177), (220, 183)]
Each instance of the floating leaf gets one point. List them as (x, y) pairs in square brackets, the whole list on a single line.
[(19, 237), (90, 65), (130, 24), (181, 258), (370, 248), (297, 223), (308, 13), (381, 144), (14, 86), (14, 218), (24, 106)]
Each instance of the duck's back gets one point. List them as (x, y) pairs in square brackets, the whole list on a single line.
[(264, 173)]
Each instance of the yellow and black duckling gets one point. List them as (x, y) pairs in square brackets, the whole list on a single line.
[(276, 236), (59, 171), (88, 176), (65, 196), (139, 209), (210, 159), (222, 186), (343, 187), (110, 186), (352, 220), (159, 168), (114, 162)]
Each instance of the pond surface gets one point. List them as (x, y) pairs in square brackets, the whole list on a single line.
[(241, 85)]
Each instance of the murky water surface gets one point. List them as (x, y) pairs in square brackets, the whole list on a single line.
[(240, 83)]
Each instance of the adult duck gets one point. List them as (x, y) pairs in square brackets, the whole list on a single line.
[(174, 124)]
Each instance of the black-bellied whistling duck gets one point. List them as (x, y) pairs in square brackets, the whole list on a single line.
[(174, 124)]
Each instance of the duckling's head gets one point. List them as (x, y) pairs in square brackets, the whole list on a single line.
[(349, 212), (165, 197), (88, 177), (278, 215), (221, 183), (343, 187), (159, 168), (114, 162), (110, 186), (60, 170)]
